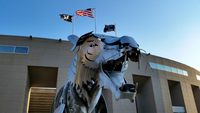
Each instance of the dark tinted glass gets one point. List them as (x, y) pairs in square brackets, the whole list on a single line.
[(6, 49), (23, 50)]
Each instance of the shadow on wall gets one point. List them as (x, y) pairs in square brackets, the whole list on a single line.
[(176, 95), (196, 93), (145, 99)]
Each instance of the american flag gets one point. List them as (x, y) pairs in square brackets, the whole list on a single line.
[(87, 12)]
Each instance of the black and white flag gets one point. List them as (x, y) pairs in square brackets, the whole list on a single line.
[(66, 17), (109, 28)]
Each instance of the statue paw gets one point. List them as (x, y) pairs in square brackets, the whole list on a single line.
[(128, 91), (129, 87)]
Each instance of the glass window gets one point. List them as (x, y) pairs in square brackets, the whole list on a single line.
[(153, 65), (161, 67), (185, 73), (6, 49), (174, 70), (198, 77), (178, 109), (23, 50), (167, 68), (180, 71)]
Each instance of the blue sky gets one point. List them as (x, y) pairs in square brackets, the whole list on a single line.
[(167, 28)]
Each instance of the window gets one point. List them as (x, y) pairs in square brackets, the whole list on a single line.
[(178, 109), (174, 70), (161, 67), (168, 69), (153, 65), (185, 73), (180, 71), (22, 50), (6, 49), (198, 77), (13, 49)]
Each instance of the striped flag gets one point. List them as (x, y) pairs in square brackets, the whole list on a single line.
[(87, 12)]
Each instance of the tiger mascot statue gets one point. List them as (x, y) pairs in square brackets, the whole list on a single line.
[(100, 62)]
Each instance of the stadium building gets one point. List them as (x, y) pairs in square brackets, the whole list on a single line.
[(33, 69)]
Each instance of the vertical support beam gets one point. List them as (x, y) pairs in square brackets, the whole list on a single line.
[(188, 98)]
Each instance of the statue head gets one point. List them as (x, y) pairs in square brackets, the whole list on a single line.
[(98, 49), (109, 54)]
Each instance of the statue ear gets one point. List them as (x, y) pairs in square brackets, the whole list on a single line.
[(73, 39)]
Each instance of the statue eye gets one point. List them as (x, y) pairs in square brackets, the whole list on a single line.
[(91, 45)]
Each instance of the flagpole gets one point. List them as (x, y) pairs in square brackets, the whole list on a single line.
[(95, 26), (72, 26), (115, 30)]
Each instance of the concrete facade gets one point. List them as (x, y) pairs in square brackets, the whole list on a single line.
[(158, 90)]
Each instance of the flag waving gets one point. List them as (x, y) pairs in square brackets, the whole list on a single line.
[(109, 28), (66, 17), (87, 12)]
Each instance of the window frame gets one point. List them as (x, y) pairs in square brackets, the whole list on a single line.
[(22, 47), (167, 68), (14, 49)]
